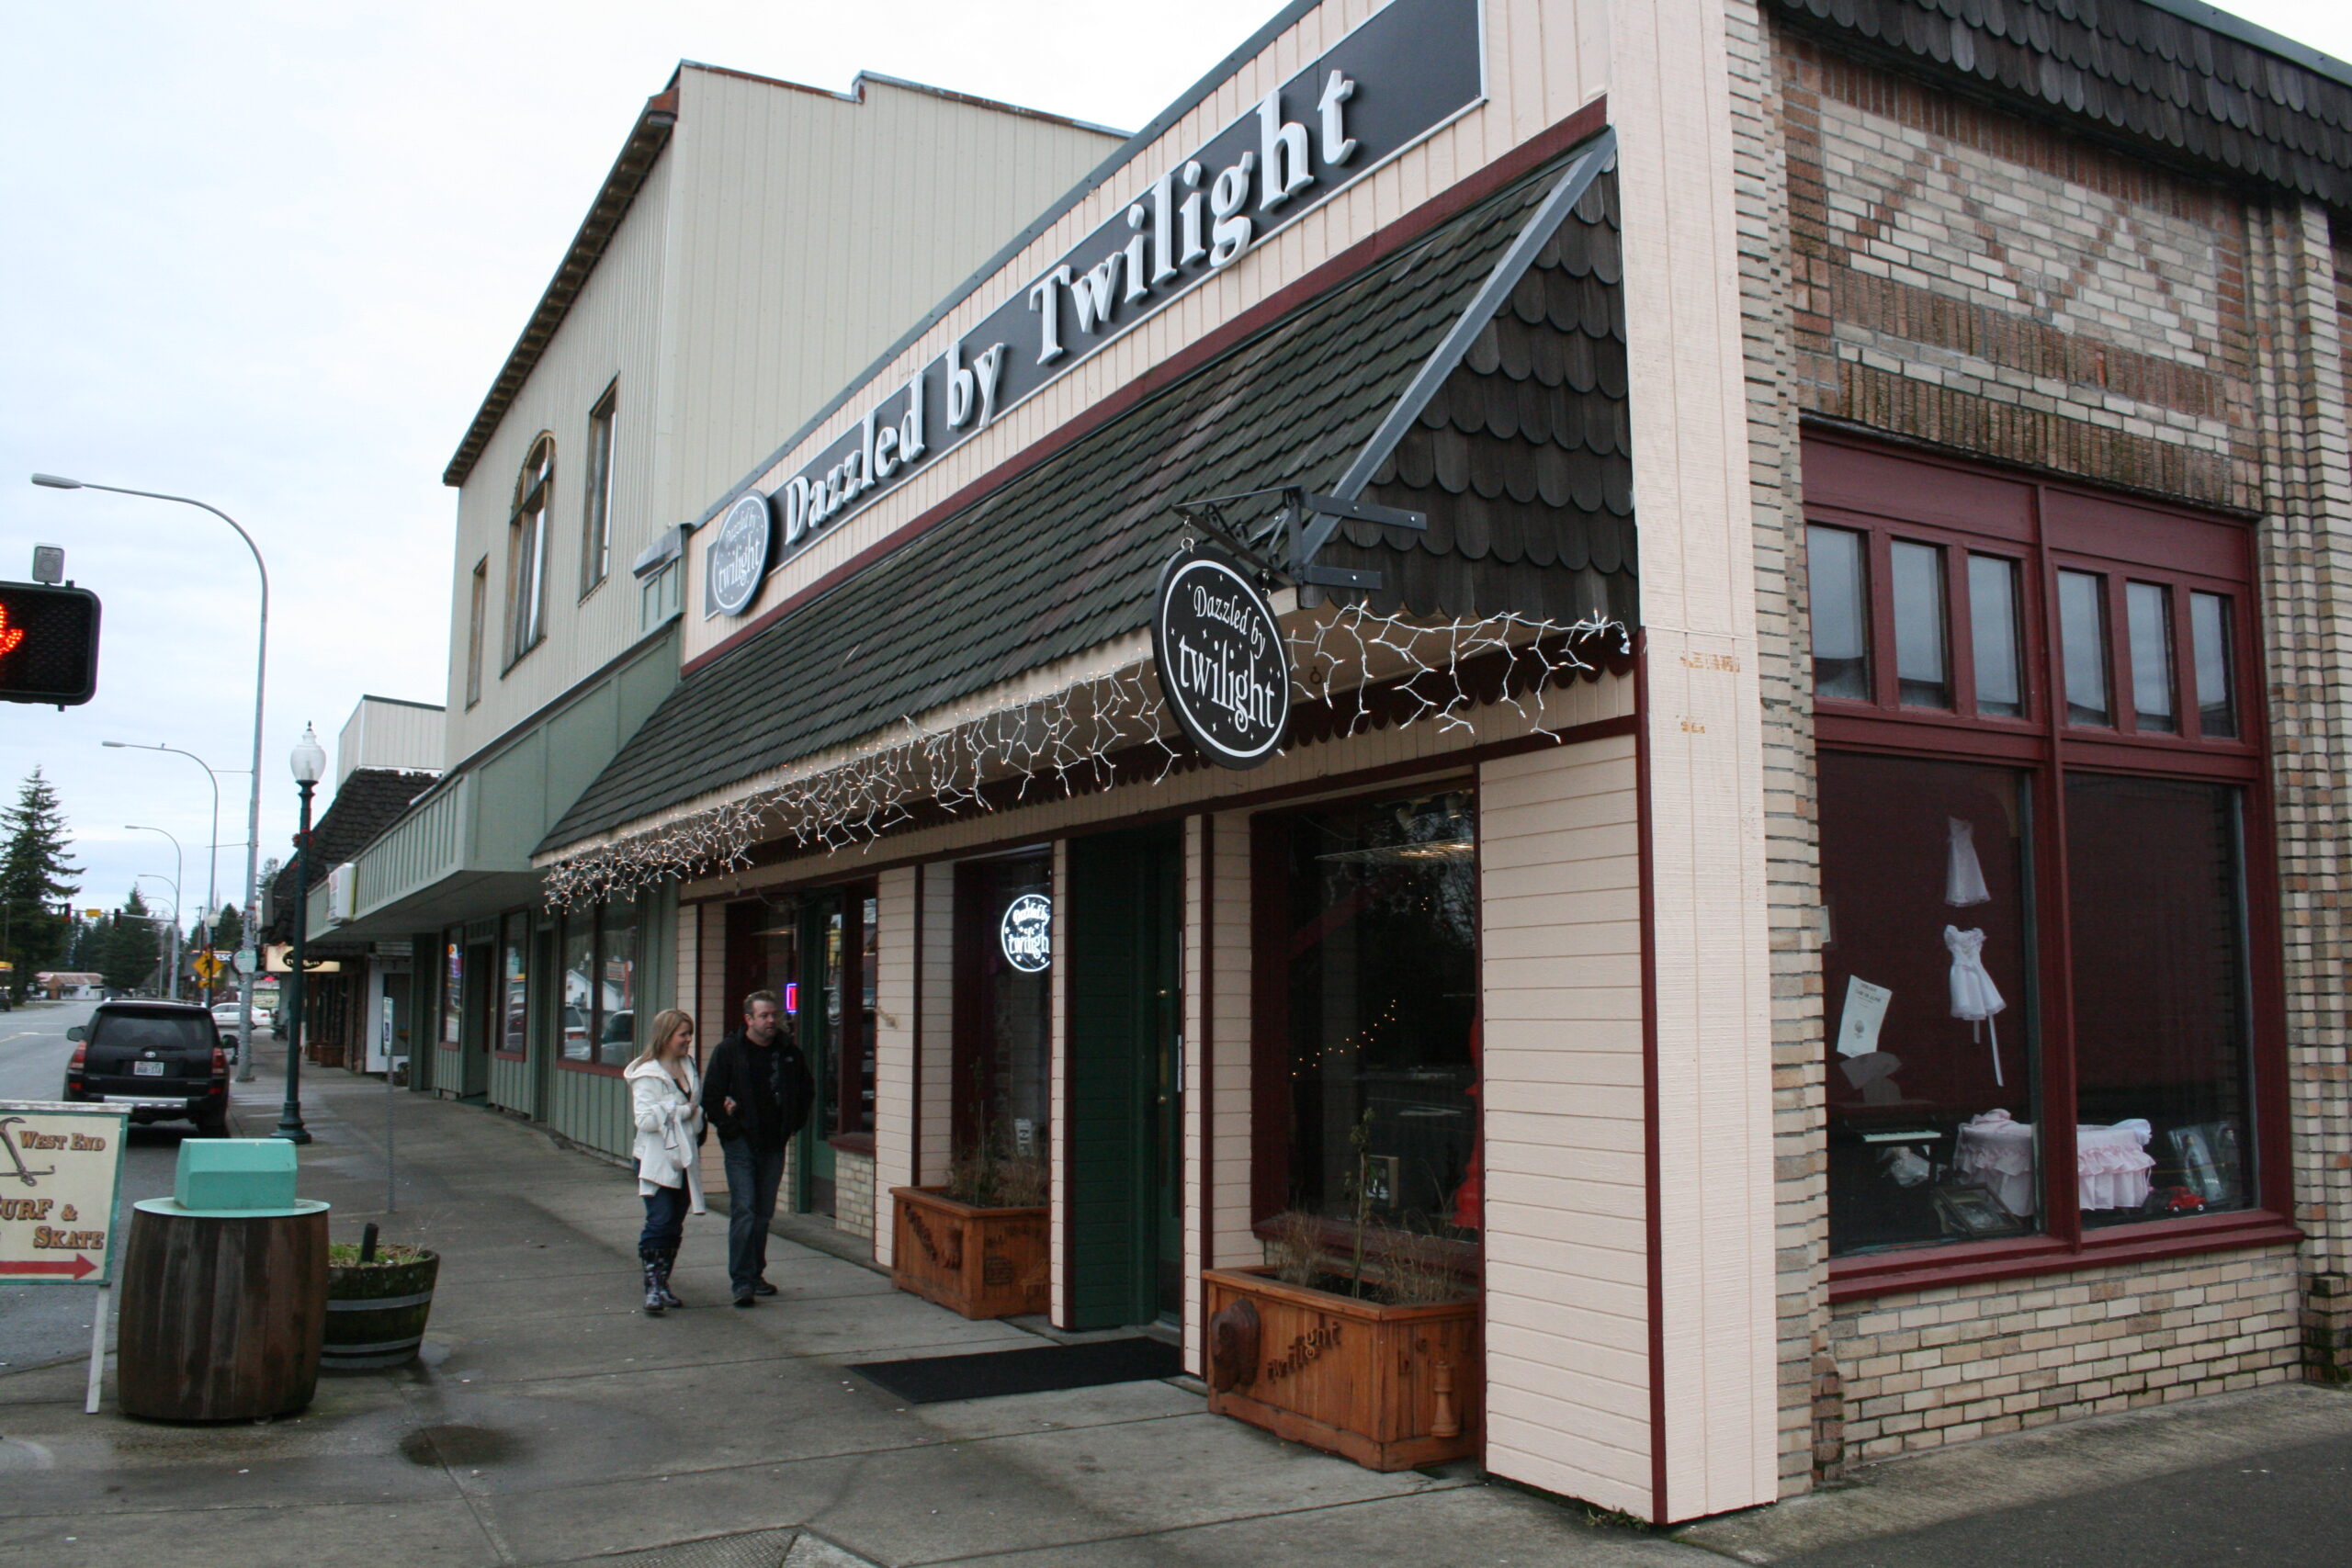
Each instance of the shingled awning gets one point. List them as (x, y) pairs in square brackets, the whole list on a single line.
[(1527, 475)]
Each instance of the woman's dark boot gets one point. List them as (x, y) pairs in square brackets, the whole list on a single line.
[(669, 1261), (655, 1297)]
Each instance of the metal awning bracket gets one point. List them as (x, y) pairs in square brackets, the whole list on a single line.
[(1284, 547)]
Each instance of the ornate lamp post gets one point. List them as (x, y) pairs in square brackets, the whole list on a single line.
[(309, 759)]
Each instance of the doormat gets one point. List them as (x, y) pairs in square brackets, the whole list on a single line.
[(929, 1380)]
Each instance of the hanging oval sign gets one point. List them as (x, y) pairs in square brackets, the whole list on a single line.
[(1026, 932), (1222, 664), (738, 559)]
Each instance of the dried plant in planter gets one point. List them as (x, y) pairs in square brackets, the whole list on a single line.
[(994, 1174), (1291, 1248), (1375, 1261)]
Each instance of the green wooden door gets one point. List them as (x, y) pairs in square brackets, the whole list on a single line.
[(820, 1023), (1118, 937)]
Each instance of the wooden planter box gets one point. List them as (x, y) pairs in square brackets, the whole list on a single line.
[(979, 1262), (1389, 1387)]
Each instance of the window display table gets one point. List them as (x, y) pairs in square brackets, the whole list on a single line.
[(2111, 1164)]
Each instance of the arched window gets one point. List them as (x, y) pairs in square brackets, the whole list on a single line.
[(526, 552)]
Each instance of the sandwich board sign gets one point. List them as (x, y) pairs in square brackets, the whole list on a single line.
[(60, 1172)]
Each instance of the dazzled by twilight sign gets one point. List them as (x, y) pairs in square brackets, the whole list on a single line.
[(1408, 70)]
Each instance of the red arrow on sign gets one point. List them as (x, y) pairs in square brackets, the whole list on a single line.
[(78, 1268)]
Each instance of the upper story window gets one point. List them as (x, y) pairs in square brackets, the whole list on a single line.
[(596, 504), (2047, 980), (2131, 639), (527, 553), (477, 629)]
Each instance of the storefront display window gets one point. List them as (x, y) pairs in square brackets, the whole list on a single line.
[(514, 1014), (599, 1008), (1005, 986), (2042, 995), (2161, 1008), (1381, 1015), (453, 988), (1926, 963)]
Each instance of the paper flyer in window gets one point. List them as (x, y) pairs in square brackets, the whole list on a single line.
[(1865, 1011)]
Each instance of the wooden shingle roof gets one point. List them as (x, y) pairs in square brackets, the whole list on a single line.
[(1063, 557), (2192, 84)]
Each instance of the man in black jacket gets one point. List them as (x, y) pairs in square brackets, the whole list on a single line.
[(755, 1093)]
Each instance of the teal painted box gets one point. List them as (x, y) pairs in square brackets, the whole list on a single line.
[(232, 1174)]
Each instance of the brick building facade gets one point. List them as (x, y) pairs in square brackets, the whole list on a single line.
[(1927, 265)]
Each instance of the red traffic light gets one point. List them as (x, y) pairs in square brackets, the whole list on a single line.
[(48, 644)]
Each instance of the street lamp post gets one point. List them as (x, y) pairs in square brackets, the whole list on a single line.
[(179, 872), (212, 860), (309, 759), (261, 676), (172, 947)]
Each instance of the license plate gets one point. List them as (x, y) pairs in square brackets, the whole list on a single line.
[(148, 1069)]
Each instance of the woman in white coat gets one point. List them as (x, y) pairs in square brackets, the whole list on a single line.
[(665, 1093)]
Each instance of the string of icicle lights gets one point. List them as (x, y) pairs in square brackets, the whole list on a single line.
[(1065, 740)]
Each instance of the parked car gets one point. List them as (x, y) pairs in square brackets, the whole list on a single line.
[(163, 1061)]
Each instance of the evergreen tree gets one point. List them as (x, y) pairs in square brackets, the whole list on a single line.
[(229, 930), (36, 878), (131, 949)]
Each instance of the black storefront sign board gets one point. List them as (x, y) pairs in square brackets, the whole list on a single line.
[(1222, 666), (1404, 73)]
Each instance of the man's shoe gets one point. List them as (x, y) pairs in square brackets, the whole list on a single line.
[(762, 1288), (746, 1298)]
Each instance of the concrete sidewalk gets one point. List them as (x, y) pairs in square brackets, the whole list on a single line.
[(550, 1422)]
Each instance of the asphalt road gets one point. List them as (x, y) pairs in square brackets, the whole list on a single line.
[(40, 1324)]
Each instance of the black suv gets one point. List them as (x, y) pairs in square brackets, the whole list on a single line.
[(163, 1060)]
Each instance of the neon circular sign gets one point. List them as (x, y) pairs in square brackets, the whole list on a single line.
[(1026, 932)]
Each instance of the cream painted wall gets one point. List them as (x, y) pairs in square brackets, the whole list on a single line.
[(1568, 1287), (896, 1002), (1671, 100), (613, 333), (731, 303)]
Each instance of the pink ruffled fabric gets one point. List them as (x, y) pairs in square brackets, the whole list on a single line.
[(2111, 1164)]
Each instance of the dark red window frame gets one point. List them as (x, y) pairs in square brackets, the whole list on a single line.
[(2048, 526)]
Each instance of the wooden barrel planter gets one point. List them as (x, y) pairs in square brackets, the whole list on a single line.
[(221, 1317), (979, 1262), (376, 1311)]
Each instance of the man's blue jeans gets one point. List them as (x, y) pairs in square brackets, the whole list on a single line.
[(752, 1177)]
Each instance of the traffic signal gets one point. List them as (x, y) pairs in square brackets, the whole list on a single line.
[(48, 644)]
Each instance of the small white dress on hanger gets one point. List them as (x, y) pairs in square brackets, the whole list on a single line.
[(1963, 876), (1973, 994)]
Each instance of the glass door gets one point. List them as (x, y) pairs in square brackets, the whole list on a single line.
[(821, 1024)]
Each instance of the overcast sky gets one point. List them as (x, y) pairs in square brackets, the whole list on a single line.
[(272, 255)]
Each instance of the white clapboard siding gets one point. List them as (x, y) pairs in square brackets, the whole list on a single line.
[(896, 1002), (1560, 942)]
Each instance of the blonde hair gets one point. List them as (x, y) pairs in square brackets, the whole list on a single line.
[(665, 1024)]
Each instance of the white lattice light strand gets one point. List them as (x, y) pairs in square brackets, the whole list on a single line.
[(1088, 734)]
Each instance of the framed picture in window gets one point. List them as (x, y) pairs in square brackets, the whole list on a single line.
[(1972, 1212)]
